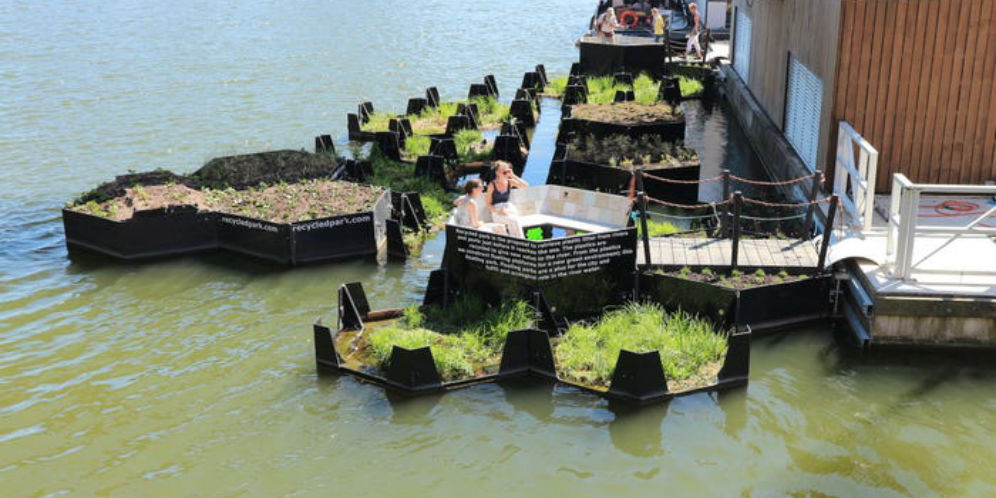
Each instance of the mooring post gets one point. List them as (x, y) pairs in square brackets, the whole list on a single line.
[(724, 227), (642, 197), (807, 227), (825, 243), (738, 204)]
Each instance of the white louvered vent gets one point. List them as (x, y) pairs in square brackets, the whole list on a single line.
[(803, 102), (741, 45)]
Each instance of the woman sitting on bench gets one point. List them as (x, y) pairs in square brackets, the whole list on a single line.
[(466, 209), (497, 196)]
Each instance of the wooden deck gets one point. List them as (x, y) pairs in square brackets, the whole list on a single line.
[(754, 253)]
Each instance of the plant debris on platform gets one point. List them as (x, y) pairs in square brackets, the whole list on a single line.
[(622, 151), (735, 279)]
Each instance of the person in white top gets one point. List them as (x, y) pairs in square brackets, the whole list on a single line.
[(606, 25), (466, 209)]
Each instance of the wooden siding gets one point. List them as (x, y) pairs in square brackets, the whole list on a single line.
[(916, 79), (808, 29)]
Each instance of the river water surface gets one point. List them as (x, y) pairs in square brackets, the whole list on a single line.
[(195, 376)]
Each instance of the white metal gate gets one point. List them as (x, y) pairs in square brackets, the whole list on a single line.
[(741, 45), (803, 102)]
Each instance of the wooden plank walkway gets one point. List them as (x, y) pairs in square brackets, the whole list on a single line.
[(754, 253)]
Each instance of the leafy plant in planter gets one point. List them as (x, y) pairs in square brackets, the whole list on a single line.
[(621, 151), (689, 347), (466, 338)]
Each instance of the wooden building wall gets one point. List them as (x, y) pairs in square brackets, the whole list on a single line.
[(915, 78), (808, 29)]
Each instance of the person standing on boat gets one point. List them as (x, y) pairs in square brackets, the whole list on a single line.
[(693, 35), (606, 25), (497, 198), (657, 22)]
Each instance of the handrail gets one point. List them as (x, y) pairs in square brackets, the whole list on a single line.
[(854, 178), (903, 220)]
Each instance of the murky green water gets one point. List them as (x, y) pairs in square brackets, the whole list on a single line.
[(195, 376)]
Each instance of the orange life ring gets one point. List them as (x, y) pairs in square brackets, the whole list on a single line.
[(629, 18)]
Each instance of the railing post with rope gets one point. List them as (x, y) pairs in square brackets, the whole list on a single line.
[(726, 195), (807, 226), (738, 205), (642, 197), (825, 243)]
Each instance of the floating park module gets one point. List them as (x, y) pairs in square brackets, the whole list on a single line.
[(303, 216), (608, 164), (637, 352)]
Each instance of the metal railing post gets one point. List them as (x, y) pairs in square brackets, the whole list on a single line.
[(827, 234), (642, 197), (726, 208), (738, 203)]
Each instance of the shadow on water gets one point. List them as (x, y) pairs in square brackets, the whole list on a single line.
[(636, 430)]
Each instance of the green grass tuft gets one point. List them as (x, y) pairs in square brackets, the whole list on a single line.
[(464, 337), (587, 353), (690, 87), (656, 228)]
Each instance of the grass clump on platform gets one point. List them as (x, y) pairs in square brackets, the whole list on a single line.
[(621, 151), (602, 90), (432, 120), (656, 228), (688, 345), (465, 338), (556, 86), (690, 87), (399, 177)]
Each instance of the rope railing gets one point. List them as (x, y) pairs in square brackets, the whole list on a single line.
[(783, 183), (733, 207), (732, 177)]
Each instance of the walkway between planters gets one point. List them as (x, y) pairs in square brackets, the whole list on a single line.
[(754, 253)]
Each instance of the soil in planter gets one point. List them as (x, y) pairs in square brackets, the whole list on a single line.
[(735, 279), (691, 350), (250, 170), (627, 113), (293, 202), (466, 339), (624, 152), (281, 203), (432, 120)]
